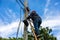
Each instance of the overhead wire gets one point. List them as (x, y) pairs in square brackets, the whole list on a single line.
[(19, 4), (18, 26), (19, 22), (22, 3)]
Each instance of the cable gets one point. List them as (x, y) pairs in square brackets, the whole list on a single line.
[(22, 3), (19, 5), (19, 22), (18, 26)]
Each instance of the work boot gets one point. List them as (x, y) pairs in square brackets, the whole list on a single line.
[(38, 36), (25, 22)]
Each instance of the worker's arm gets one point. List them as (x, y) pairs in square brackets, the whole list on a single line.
[(30, 16), (26, 20)]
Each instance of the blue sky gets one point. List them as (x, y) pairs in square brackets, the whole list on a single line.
[(49, 10)]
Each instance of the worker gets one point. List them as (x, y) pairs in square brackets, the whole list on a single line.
[(36, 21)]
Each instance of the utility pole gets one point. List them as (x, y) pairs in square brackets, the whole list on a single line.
[(25, 15)]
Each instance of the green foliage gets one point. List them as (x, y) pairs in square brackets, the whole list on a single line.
[(10, 38), (45, 34)]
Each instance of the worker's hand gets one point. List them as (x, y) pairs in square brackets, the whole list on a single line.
[(27, 8), (31, 20)]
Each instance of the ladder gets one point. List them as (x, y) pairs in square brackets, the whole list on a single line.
[(32, 28)]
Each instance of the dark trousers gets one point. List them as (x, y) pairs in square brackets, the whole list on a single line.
[(36, 26)]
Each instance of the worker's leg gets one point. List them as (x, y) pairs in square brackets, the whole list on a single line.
[(36, 27), (39, 22)]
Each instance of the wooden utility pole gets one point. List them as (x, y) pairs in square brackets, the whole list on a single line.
[(25, 15)]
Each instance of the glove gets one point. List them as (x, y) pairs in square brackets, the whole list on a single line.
[(25, 22)]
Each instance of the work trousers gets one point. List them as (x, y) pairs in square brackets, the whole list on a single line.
[(36, 26)]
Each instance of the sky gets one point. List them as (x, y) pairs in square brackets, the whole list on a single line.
[(48, 10)]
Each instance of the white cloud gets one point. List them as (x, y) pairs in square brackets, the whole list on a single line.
[(51, 23), (7, 30)]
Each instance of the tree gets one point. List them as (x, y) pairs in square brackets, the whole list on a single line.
[(45, 34), (0, 38)]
